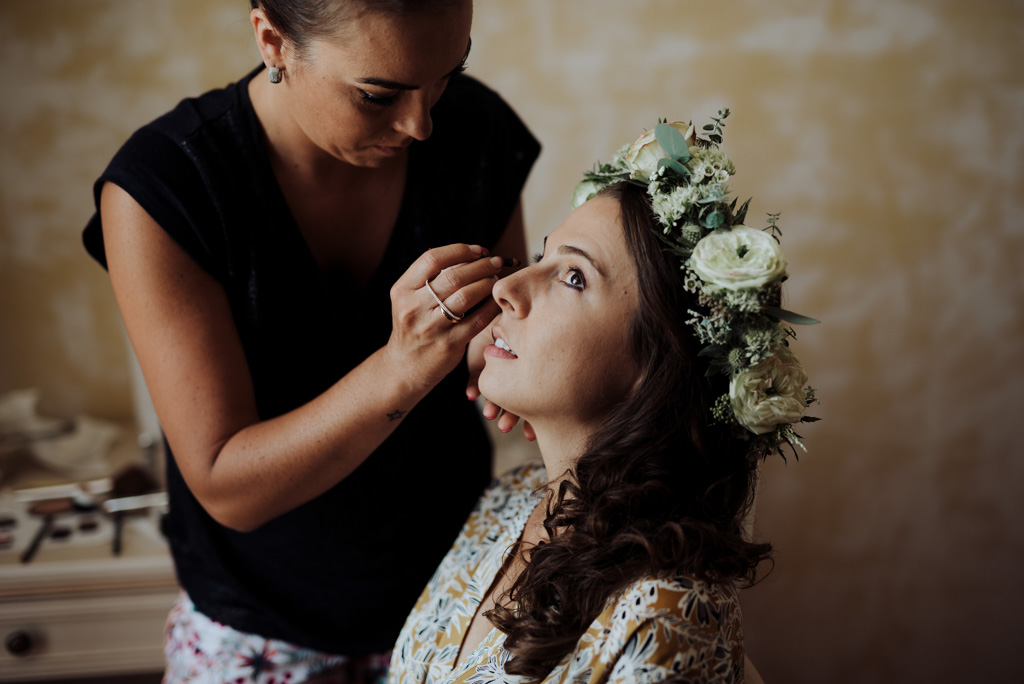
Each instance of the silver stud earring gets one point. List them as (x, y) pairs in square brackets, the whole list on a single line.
[(274, 74)]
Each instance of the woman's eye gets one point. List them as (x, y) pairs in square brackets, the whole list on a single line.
[(378, 100), (574, 278)]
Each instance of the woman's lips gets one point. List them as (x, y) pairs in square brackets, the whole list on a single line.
[(498, 353), (390, 151), (500, 349)]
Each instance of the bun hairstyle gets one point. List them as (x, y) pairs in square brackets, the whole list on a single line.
[(658, 491)]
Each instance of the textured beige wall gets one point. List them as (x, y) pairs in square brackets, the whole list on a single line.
[(890, 133)]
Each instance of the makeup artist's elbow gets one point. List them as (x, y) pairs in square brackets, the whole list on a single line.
[(233, 514), (240, 519)]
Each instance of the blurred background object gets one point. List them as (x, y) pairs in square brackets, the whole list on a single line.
[(889, 133)]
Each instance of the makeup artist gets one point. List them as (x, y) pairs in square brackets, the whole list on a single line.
[(301, 260)]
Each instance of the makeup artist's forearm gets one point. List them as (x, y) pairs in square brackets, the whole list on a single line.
[(271, 467)]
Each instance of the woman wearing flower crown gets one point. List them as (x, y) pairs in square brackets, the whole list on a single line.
[(618, 559)]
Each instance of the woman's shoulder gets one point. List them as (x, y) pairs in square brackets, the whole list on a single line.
[(512, 488), (660, 628), (531, 473), (165, 144), (181, 166), (678, 601), (193, 113)]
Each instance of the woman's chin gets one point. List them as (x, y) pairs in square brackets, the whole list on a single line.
[(493, 392), (490, 390)]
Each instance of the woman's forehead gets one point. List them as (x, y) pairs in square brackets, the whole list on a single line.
[(596, 229), (403, 48)]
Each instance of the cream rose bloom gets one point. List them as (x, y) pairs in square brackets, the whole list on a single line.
[(769, 394), (738, 259), (643, 156)]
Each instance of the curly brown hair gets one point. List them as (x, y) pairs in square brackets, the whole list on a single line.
[(659, 491)]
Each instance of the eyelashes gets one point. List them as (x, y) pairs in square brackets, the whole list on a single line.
[(377, 100), (388, 100)]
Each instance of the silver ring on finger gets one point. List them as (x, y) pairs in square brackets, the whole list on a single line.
[(448, 313)]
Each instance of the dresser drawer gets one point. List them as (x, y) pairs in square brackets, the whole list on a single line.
[(80, 636)]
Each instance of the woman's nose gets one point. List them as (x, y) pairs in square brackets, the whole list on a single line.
[(415, 120), (512, 293)]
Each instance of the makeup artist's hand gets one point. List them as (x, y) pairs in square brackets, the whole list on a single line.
[(437, 307), (475, 361)]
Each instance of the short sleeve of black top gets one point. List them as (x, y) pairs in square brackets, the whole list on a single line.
[(340, 573)]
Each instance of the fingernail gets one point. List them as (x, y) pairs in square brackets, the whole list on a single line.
[(478, 250), (497, 262), (507, 262), (506, 430)]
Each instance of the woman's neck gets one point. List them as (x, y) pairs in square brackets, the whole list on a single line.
[(560, 448)]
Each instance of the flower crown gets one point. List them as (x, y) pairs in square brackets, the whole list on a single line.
[(736, 272)]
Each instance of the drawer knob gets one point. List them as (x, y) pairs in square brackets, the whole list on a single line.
[(19, 643)]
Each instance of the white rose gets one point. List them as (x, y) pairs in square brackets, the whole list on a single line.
[(738, 259), (643, 156), (584, 190), (770, 393)]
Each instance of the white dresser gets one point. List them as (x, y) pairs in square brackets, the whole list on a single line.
[(76, 609)]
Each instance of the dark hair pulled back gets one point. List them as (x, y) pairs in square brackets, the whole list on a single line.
[(659, 491), (302, 21)]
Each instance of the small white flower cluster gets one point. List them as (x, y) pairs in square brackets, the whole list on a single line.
[(736, 272), (670, 206)]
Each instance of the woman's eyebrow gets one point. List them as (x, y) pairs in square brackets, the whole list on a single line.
[(385, 83), (571, 249), (395, 85)]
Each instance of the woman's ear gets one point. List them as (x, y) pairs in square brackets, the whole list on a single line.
[(268, 40)]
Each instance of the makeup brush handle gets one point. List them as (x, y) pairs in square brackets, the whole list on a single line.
[(44, 529), (118, 531)]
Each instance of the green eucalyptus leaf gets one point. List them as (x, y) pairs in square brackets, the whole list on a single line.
[(713, 198), (789, 316), (672, 141), (714, 219), (675, 166), (712, 350)]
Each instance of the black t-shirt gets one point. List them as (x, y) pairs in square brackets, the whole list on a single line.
[(339, 573)]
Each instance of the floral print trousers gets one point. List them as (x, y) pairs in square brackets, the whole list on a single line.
[(201, 651)]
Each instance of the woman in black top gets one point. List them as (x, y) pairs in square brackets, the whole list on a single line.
[(269, 246)]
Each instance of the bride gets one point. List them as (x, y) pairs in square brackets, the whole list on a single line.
[(654, 391)]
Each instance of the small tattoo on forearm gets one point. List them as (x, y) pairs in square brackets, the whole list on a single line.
[(396, 415)]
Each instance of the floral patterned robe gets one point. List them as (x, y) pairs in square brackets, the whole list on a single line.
[(656, 630)]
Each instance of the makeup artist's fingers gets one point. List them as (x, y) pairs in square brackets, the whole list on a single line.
[(506, 420), (434, 261)]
